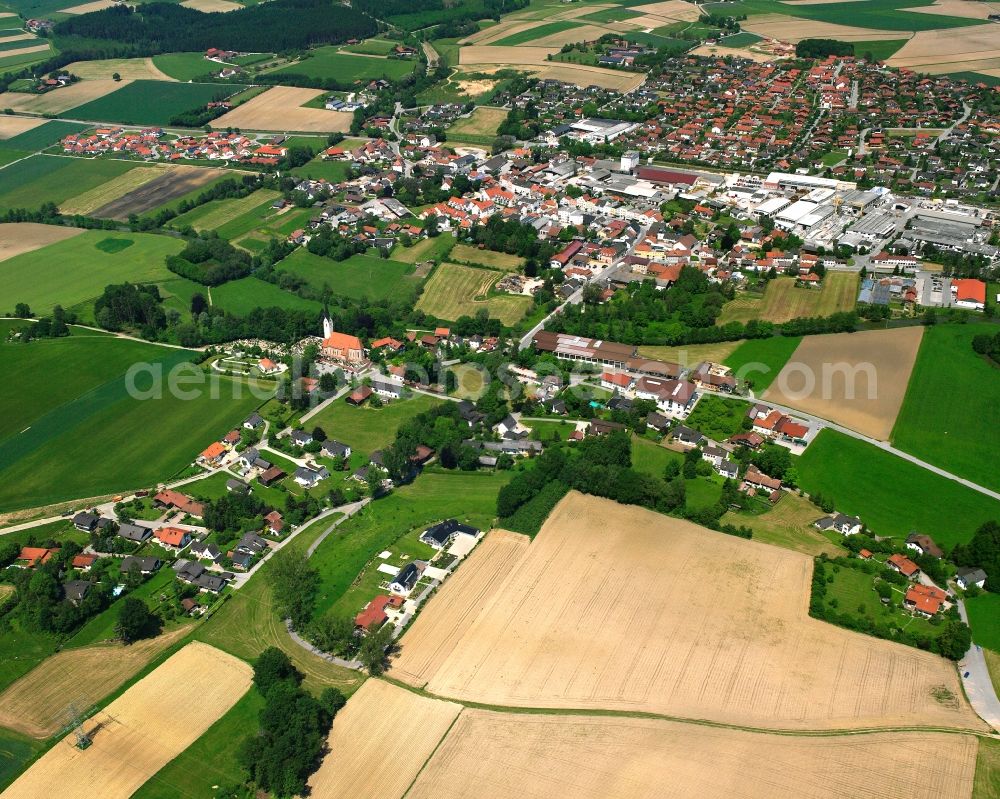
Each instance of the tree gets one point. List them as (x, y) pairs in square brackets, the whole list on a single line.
[(295, 584), (198, 303), (327, 383), (22, 311), (374, 652), (273, 666), (135, 621), (116, 77)]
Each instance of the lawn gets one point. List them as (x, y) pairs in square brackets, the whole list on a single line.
[(326, 63), (435, 495), (483, 121), (367, 429), (240, 297), (963, 436), (652, 458), (318, 169), (759, 360), (538, 32), (892, 496), (49, 178), (212, 759), (741, 39), (217, 213), (359, 276), (248, 623), (41, 137), (435, 249), (21, 651), (984, 619), (454, 290), (103, 440), (463, 253), (783, 300), (718, 418), (787, 524), (41, 278), (152, 102), (372, 47), (185, 66)]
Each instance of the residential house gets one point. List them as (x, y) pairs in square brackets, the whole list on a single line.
[(274, 522), (173, 537), (967, 577), (144, 566), (168, 498), (925, 600), (441, 534), (237, 486), (29, 557), (213, 454), (658, 422), (308, 478), (757, 479), (253, 421), (206, 551), (301, 438), (75, 591), (406, 578), (334, 449), (686, 436), (373, 616), (387, 389), (728, 469), (846, 525), (360, 395), (903, 565), (85, 521), (83, 562), (134, 532)]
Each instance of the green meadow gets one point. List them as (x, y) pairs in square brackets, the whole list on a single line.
[(49, 178), (359, 276), (42, 278)]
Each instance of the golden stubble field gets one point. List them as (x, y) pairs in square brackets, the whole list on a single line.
[(974, 48), (280, 108), (59, 100), (620, 608), (17, 238), (518, 756), (857, 380), (379, 743), (37, 703), (15, 126), (141, 731), (793, 30)]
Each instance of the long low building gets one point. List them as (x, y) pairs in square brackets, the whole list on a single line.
[(607, 353)]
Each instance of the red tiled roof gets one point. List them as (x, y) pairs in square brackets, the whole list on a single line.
[(373, 615)]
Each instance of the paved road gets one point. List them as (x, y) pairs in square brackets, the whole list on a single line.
[(882, 445), (978, 685)]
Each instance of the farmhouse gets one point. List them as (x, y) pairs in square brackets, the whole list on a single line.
[(903, 565), (754, 478), (213, 453), (923, 545), (441, 534), (270, 476), (168, 498), (360, 395), (386, 389), (967, 577)]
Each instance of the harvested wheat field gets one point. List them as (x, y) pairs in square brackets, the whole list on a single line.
[(21, 237), (142, 730), (690, 355), (674, 10), (37, 703), (118, 187), (452, 610), (497, 54), (379, 742), (280, 108), (20, 37), (59, 100), (620, 608), (972, 47), (34, 48), (854, 379), (793, 30), (959, 8), (127, 68), (515, 756), (580, 33), (168, 184), (14, 126), (584, 75), (209, 6)]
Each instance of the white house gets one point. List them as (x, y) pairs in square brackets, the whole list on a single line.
[(966, 577)]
